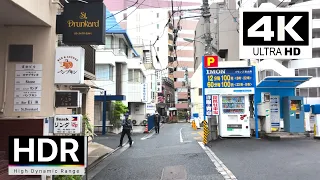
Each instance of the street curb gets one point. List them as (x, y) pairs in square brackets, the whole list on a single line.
[(103, 157)]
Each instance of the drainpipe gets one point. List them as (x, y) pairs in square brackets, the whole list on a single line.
[(5, 75)]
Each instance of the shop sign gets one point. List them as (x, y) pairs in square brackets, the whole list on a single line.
[(67, 124), (144, 93), (27, 88), (69, 65), (68, 99), (84, 23)]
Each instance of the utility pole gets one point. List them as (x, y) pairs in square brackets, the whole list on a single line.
[(207, 34), (212, 120)]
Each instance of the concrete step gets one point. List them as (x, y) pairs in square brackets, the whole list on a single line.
[(285, 135)]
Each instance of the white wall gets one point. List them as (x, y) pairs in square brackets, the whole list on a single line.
[(148, 34), (132, 91), (138, 112)]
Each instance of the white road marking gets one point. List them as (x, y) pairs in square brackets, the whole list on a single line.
[(222, 169), (181, 139), (148, 136)]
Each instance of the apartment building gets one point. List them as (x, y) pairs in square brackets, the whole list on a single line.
[(35, 65), (120, 72), (298, 67), (148, 22), (227, 44)]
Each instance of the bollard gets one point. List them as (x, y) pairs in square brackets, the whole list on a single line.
[(205, 132)]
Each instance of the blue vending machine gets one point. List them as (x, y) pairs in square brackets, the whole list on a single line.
[(293, 114)]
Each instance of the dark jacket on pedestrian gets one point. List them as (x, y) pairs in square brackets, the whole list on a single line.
[(127, 123), (157, 120)]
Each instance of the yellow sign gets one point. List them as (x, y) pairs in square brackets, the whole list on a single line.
[(83, 24)]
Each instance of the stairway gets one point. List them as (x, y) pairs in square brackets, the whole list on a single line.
[(4, 170)]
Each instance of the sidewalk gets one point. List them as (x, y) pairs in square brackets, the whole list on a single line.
[(103, 145)]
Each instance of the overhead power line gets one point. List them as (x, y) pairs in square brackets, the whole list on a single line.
[(123, 9), (127, 15)]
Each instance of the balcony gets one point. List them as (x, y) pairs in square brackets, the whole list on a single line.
[(316, 24), (182, 95), (182, 105), (316, 42)]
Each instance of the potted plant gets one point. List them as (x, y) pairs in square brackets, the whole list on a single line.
[(118, 108)]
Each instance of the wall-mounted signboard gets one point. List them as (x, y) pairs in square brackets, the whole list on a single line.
[(83, 23), (68, 98)]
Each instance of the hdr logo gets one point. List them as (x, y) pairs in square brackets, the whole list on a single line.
[(210, 61), (47, 155), (275, 34)]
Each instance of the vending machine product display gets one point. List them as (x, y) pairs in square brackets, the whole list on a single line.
[(234, 116)]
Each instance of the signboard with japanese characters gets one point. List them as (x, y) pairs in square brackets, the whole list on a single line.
[(68, 98), (27, 90), (212, 105), (215, 105), (67, 124), (208, 105), (69, 65), (144, 92)]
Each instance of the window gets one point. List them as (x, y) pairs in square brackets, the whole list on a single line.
[(157, 15), (296, 72), (304, 92), (104, 72), (200, 91), (297, 92), (303, 72), (268, 73), (135, 75), (312, 72), (313, 92), (158, 26), (157, 48), (109, 42), (318, 69)]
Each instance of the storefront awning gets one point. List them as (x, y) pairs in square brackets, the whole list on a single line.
[(282, 82)]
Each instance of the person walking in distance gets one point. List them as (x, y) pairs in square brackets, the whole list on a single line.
[(157, 122), (126, 129)]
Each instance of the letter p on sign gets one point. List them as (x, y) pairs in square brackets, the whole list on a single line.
[(210, 61)]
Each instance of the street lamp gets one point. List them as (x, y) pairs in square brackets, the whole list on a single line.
[(192, 40)]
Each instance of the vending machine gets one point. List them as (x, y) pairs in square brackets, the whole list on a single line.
[(234, 115)]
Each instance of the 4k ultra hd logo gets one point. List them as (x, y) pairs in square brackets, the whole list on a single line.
[(47, 155), (275, 34)]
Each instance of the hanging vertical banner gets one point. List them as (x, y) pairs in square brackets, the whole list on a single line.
[(208, 104), (215, 105)]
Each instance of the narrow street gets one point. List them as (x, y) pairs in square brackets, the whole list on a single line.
[(167, 155)]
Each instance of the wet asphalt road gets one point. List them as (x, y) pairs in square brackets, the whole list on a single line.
[(161, 156)]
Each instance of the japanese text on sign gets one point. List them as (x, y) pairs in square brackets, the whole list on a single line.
[(67, 124), (229, 78)]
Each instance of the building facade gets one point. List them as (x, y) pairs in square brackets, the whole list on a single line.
[(145, 24), (29, 51), (120, 72)]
